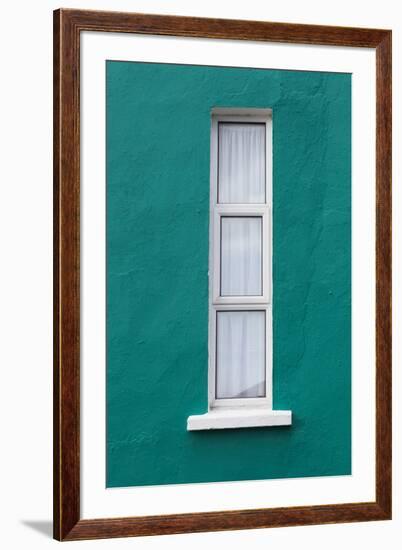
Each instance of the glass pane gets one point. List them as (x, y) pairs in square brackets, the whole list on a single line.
[(240, 354), (241, 161), (241, 256)]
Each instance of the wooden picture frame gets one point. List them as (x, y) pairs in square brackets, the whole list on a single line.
[(68, 24)]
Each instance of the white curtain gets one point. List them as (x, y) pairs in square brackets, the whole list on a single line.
[(240, 338), (240, 352), (241, 163), (241, 256)]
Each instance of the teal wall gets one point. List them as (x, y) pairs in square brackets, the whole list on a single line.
[(158, 134)]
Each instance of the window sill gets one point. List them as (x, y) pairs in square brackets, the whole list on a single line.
[(223, 418)]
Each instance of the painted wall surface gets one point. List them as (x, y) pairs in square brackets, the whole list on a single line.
[(158, 139)]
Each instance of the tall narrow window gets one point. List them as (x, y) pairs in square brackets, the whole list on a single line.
[(240, 271)]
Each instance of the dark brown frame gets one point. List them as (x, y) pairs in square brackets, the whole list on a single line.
[(68, 25)]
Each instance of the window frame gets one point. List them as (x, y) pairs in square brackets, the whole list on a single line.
[(218, 210)]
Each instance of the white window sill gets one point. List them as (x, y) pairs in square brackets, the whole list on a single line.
[(223, 418)]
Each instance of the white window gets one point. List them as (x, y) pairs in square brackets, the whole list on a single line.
[(240, 273)]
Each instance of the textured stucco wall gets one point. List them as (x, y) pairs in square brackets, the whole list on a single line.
[(158, 131)]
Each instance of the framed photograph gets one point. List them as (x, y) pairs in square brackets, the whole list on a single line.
[(222, 274)]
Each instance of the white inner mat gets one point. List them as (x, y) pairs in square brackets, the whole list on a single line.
[(96, 500)]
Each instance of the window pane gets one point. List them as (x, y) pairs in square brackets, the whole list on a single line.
[(241, 173), (240, 354), (241, 256)]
